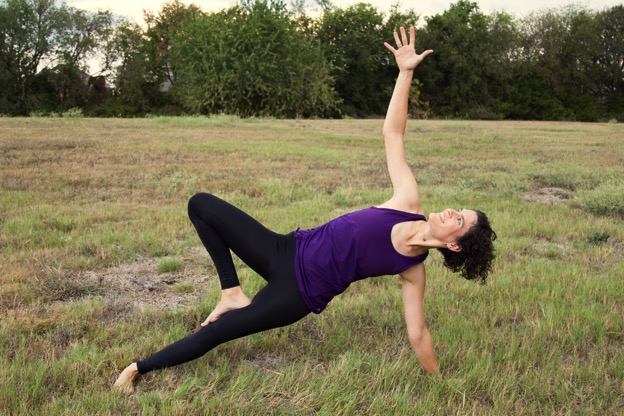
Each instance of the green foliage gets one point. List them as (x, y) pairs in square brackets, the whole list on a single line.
[(569, 40), (28, 32), (605, 199), (470, 64), (75, 112), (598, 238), (250, 60), (351, 42), (184, 288), (262, 58), (169, 265), (610, 72), (160, 32), (34, 34), (136, 79)]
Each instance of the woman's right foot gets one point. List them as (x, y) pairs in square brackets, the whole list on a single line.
[(231, 299)]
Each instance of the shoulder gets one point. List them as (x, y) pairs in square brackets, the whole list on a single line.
[(400, 204), (414, 275)]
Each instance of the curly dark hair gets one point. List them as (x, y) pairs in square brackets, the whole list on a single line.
[(474, 261)]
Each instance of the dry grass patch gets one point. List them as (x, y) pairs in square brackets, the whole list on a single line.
[(549, 195), (140, 284), (269, 364)]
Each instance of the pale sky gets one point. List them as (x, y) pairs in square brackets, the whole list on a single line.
[(133, 9)]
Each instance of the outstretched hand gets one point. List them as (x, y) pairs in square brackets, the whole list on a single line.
[(406, 57)]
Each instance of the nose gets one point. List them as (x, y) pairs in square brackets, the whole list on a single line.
[(450, 213)]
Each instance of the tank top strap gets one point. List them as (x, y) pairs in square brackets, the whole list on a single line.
[(403, 214)]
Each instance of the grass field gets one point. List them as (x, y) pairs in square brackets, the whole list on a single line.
[(100, 266)]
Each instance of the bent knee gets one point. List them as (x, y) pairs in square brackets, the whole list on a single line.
[(200, 199)]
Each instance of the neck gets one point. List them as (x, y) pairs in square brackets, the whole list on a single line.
[(419, 236)]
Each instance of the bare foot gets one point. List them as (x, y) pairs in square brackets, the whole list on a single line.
[(231, 299), (124, 381)]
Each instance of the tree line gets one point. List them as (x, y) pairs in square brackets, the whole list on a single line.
[(266, 58)]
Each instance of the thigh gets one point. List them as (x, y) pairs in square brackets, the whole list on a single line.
[(276, 305), (252, 242)]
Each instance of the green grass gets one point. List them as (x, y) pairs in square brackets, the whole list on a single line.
[(101, 266), (169, 266)]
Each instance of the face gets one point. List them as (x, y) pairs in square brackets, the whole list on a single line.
[(449, 225)]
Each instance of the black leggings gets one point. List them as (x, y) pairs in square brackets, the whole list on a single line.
[(222, 227)]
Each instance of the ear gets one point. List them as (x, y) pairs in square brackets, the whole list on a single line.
[(454, 247)]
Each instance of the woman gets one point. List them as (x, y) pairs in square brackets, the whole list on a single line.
[(306, 269)]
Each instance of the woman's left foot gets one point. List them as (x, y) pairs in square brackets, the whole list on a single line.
[(124, 381), (231, 299)]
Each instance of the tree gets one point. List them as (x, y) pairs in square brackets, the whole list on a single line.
[(82, 34), (560, 49), (136, 83), (82, 38), (352, 40), (299, 7), (43, 52), (29, 31), (161, 29), (503, 57), (610, 62), (457, 80), (251, 60)]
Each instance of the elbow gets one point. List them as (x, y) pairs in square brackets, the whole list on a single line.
[(415, 340), (391, 133), (416, 337)]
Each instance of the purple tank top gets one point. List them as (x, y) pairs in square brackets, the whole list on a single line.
[(349, 248)]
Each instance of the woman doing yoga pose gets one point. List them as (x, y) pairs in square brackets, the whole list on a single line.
[(305, 269)]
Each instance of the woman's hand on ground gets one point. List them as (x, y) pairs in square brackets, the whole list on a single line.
[(406, 57), (123, 383)]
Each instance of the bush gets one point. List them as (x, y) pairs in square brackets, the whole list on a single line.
[(277, 71), (606, 199), (598, 238), (75, 112)]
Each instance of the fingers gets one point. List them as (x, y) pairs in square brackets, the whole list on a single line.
[(389, 47), (426, 53), (404, 36), (403, 41), (397, 40)]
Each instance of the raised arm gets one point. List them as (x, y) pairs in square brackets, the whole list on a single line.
[(403, 182)]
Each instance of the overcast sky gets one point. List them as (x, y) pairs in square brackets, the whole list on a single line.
[(133, 9)]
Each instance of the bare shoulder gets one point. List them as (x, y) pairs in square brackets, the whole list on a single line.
[(403, 204), (415, 274)]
